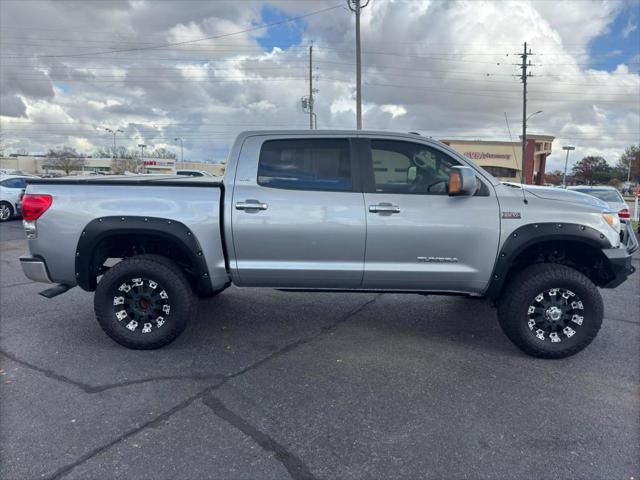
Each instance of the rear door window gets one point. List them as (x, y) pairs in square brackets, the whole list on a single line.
[(309, 164)]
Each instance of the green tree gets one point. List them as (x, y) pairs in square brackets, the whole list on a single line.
[(592, 170), (631, 154)]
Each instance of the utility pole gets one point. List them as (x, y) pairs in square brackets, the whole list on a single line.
[(114, 132), (311, 87), (355, 6), (523, 77)]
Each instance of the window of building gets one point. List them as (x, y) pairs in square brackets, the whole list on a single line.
[(310, 164), (503, 172), (405, 167)]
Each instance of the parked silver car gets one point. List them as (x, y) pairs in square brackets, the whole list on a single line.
[(610, 195)]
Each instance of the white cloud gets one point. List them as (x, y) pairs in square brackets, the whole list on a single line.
[(443, 68), (629, 28), (394, 110)]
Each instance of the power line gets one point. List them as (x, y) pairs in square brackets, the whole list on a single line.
[(291, 65), (185, 42)]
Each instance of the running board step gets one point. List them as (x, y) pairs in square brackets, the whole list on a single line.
[(55, 291)]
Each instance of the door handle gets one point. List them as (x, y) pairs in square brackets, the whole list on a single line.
[(384, 208), (251, 205)]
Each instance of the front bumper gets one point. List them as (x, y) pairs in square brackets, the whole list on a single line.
[(620, 258), (35, 269)]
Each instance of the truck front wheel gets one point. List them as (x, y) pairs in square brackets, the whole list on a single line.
[(550, 311), (144, 302)]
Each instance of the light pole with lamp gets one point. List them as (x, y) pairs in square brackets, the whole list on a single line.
[(181, 148), (568, 148), (114, 132), (142, 147)]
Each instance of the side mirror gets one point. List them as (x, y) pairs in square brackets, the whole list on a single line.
[(412, 173), (462, 181)]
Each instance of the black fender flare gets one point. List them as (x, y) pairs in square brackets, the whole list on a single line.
[(102, 228), (528, 235)]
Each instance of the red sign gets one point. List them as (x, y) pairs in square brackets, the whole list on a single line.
[(486, 155)]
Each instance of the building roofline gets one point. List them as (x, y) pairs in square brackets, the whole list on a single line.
[(491, 142)]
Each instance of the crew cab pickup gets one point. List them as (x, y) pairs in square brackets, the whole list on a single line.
[(329, 210)]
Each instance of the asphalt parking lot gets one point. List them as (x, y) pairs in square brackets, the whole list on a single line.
[(267, 384)]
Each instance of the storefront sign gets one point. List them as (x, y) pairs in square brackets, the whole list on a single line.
[(487, 155)]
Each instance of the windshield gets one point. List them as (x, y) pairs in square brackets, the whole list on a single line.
[(604, 195)]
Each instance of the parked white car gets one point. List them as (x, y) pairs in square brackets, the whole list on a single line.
[(194, 173), (10, 188)]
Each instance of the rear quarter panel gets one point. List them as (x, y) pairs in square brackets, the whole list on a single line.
[(74, 206)]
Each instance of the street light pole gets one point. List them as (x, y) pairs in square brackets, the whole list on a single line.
[(534, 113), (568, 148), (142, 147), (181, 149), (114, 132)]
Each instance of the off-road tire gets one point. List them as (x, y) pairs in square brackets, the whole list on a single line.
[(169, 278), (6, 205), (523, 289)]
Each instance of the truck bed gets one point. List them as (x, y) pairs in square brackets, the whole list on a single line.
[(164, 180), (192, 202)]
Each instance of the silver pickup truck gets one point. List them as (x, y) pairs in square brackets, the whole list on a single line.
[(329, 210)]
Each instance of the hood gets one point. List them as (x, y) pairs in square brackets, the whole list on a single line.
[(563, 195)]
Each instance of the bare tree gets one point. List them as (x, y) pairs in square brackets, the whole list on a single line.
[(120, 166), (162, 153), (119, 152), (65, 159), (123, 160)]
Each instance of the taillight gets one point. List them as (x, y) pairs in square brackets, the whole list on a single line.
[(624, 214), (34, 205)]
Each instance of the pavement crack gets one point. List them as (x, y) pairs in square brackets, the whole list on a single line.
[(197, 377), (101, 388), (291, 346), (48, 373), (296, 468), (62, 471), (623, 320)]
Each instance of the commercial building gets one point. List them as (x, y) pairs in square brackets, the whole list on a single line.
[(43, 165), (503, 159)]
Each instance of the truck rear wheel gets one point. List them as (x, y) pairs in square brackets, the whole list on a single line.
[(550, 311), (144, 302)]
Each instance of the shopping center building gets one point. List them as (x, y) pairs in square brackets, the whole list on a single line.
[(503, 159), (42, 165)]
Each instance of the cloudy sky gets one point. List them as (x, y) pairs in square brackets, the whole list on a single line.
[(205, 70)]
